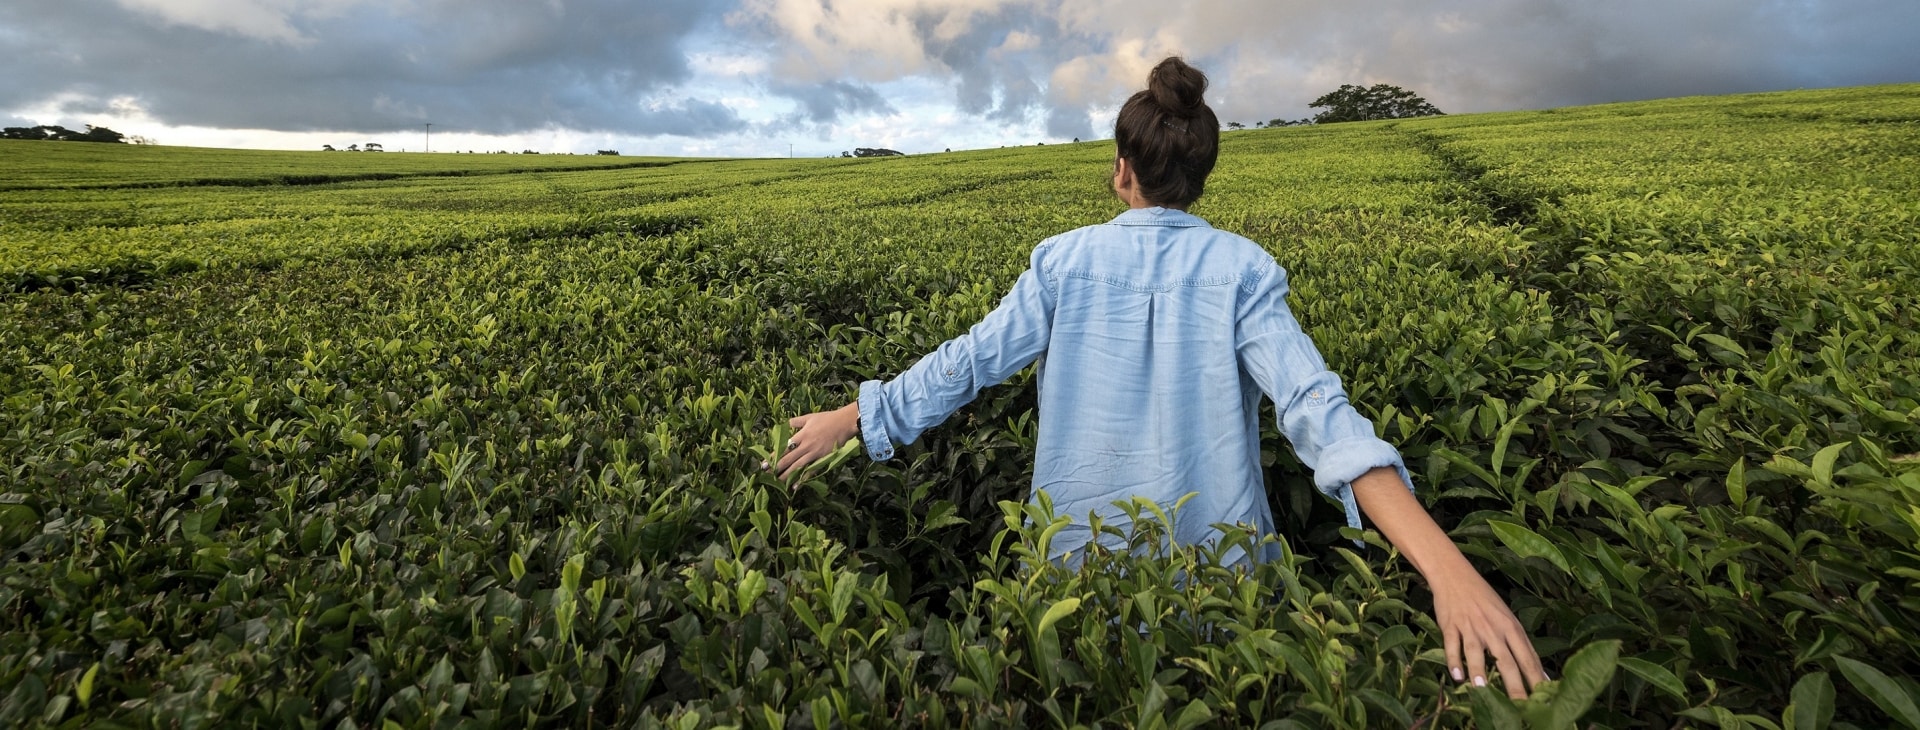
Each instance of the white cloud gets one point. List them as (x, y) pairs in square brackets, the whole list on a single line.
[(717, 64)]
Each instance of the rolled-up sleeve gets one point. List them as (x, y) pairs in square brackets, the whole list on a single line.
[(1328, 435), (1009, 338)]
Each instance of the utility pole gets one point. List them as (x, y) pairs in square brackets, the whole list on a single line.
[(429, 136)]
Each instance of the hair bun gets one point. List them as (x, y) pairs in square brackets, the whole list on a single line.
[(1177, 87)]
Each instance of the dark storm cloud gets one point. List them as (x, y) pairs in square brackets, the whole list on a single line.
[(1508, 54), (824, 102), (491, 66), (991, 77)]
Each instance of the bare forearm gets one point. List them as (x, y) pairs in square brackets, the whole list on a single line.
[(1474, 620), (1392, 508)]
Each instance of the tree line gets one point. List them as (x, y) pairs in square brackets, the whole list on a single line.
[(57, 133)]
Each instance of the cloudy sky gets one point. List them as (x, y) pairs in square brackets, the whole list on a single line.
[(761, 77)]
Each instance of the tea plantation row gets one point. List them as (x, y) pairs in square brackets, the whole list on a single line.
[(484, 449)]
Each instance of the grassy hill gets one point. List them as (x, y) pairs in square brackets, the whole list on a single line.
[(35, 165), (483, 448)]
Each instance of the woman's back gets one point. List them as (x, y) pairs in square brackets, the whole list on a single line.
[(1141, 391)]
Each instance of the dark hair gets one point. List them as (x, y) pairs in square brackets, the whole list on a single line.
[(1168, 134)]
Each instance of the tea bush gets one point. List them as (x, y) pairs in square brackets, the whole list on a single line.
[(485, 449)]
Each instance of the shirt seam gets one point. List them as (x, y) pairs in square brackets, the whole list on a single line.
[(1168, 286), (1251, 281), (1047, 279)]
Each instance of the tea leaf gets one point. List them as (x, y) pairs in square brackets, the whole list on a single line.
[(1195, 714), (1656, 675), (1492, 709), (1725, 344), (1823, 462), (1583, 678), (941, 514), (83, 691), (1886, 694), (1737, 485), (1059, 610), (752, 585), (1813, 703), (1529, 544)]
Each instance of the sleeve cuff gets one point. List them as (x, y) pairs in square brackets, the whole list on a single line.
[(1344, 461), (873, 430)]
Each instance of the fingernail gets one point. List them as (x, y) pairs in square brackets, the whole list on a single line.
[(1479, 681), (1459, 676)]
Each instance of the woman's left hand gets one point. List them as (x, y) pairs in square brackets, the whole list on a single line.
[(1475, 623), (816, 435)]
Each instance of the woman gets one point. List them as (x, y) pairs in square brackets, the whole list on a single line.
[(1157, 336)]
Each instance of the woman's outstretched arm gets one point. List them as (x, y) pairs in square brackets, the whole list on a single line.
[(897, 411), (1474, 620)]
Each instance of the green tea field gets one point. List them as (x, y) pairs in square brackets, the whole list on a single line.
[(420, 441)]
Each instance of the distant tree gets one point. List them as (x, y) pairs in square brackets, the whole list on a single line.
[(613, 153), (326, 148), (1076, 140), (102, 134), (875, 152), (1351, 103), (844, 153), (528, 152), (1236, 125), (372, 147), (949, 149), (141, 140), (355, 147)]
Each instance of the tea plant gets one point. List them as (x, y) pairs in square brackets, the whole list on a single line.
[(484, 449)]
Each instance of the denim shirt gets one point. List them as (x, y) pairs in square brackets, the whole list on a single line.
[(1157, 335)]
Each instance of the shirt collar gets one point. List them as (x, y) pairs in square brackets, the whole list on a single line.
[(1157, 216)]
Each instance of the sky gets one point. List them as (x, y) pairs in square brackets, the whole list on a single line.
[(769, 78)]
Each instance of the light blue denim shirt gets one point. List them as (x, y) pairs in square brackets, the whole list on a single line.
[(1156, 335)]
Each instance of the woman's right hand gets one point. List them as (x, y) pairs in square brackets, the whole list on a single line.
[(816, 435)]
